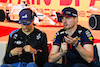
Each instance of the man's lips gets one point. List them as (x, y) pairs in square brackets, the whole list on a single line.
[(65, 24)]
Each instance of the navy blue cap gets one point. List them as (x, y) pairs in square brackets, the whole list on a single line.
[(69, 12), (25, 16)]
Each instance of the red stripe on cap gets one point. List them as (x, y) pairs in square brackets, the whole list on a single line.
[(64, 16)]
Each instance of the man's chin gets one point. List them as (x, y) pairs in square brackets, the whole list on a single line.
[(26, 30), (67, 28)]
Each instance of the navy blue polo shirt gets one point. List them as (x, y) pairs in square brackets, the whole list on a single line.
[(72, 55)]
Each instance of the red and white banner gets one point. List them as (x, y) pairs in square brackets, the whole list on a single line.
[(47, 7)]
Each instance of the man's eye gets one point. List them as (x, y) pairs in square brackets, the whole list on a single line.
[(67, 18)]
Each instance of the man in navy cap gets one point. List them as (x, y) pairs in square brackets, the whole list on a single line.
[(73, 43), (27, 46)]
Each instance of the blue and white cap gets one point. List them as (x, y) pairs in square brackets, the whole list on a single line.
[(25, 16)]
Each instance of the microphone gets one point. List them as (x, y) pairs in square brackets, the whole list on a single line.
[(62, 36), (64, 33)]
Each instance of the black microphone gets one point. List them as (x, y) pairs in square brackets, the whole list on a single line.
[(64, 33), (62, 36)]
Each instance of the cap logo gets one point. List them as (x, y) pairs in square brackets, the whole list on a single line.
[(25, 16), (67, 12), (74, 14)]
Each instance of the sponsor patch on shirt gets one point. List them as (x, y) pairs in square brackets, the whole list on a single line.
[(38, 36), (90, 38)]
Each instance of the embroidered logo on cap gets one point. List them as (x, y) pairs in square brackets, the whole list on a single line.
[(67, 12), (25, 16)]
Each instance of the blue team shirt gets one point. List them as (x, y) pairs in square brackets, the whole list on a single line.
[(72, 55)]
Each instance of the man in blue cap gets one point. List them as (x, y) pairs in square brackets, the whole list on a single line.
[(73, 43), (27, 46)]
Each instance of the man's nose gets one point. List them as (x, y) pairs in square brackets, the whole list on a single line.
[(64, 20)]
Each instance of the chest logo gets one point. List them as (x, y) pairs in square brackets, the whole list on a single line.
[(38, 36), (79, 31), (25, 16), (15, 36)]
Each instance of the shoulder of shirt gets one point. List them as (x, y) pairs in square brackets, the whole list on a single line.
[(38, 31), (61, 30), (13, 32), (82, 28)]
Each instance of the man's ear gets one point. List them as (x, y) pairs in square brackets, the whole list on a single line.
[(76, 19), (33, 21)]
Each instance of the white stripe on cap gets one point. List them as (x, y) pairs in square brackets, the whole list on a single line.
[(74, 14)]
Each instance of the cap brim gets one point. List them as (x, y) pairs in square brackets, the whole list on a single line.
[(64, 16), (61, 16), (24, 22)]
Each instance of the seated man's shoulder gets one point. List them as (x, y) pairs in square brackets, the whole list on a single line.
[(39, 31), (13, 32)]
